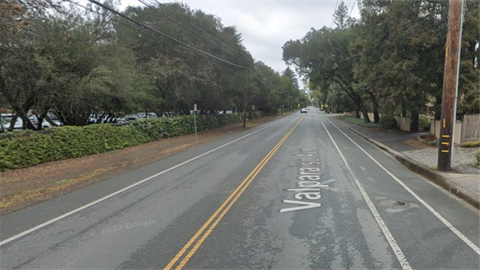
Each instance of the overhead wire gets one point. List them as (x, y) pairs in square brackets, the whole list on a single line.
[(165, 35), (351, 8), (150, 5), (189, 29), (185, 27), (202, 30), (333, 15), (94, 11)]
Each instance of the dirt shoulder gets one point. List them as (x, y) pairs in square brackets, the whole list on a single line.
[(27, 186)]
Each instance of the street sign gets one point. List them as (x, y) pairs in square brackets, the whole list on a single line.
[(253, 107), (195, 107)]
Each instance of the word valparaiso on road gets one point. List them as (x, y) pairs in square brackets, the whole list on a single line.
[(308, 190)]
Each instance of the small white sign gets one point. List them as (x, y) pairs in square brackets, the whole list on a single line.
[(195, 107)]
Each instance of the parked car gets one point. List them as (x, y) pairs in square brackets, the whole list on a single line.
[(45, 123), (303, 110), (147, 115), (6, 119)]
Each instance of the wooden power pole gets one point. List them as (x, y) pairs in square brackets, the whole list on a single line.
[(246, 101), (450, 85)]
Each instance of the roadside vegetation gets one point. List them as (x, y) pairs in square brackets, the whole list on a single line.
[(85, 65), (28, 148), (390, 61)]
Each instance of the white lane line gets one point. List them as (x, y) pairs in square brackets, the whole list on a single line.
[(435, 213), (391, 241), (8, 240)]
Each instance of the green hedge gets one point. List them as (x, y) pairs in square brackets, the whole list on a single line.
[(28, 148)]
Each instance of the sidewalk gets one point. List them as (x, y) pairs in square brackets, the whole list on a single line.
[(463, 181)]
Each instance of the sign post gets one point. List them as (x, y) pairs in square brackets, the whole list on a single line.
[(195, 120)]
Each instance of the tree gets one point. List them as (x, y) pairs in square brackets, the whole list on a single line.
[(340, 16)]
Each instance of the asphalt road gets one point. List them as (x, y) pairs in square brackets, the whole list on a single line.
[(298, 193)]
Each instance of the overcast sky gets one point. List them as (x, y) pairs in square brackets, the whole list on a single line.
[(266, 25)]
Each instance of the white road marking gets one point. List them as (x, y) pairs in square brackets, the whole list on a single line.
[(435, 213), (307, 205), (391, 241), (10, 239)]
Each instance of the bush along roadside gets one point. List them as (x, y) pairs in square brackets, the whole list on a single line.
[(385, 123), (28, 148), (362, 123)]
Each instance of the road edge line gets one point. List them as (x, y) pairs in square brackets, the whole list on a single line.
[(450, 226), (383, 227), (423, 170)]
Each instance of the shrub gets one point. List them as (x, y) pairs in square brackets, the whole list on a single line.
[(424, 122), (434, 142), (388, 122), (362, 123), (28, 148), (469, 144)]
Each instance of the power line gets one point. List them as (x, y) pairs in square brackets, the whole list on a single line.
[(351, 8), (150, 5), (94, 11), (187, 28), (173, 39), (333, 15), (199, 28), (164, 35), (254, 75)]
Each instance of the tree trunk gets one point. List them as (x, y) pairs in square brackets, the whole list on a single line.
[(12, 122), (40, 120), (376, 114), (438, 113), (357, 113), (50, 121), (365, 116), (415, 121), (26, 122)]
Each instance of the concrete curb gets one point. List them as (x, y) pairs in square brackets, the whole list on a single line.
[(438, 178)]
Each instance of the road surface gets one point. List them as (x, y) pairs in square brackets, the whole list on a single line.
[(302, 192)]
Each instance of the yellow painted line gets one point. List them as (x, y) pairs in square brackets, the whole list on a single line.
[(445, 151), (236, 193), (446, 136), (445, 143), (443, 122)]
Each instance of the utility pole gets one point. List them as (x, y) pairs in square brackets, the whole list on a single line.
[(246, 101), (450, 85)]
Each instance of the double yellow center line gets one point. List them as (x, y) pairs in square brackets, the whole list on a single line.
[(223, 209)]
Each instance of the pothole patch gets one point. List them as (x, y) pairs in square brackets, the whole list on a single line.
[(395, 204)]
